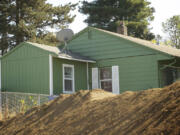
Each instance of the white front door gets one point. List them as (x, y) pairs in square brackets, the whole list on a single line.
[(68, 78)]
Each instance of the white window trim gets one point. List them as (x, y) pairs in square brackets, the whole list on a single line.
[(73, 86), (106, 80), (87, 72)]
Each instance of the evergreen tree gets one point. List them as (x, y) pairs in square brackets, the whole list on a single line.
[(4, 21), (22, 20), (106, 13), (48, 39), (172, 28)]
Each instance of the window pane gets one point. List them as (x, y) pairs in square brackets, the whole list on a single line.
[(68, 85), (68, 72), (105, 73), (106, 85)]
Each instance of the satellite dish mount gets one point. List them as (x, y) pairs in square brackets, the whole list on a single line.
[(64, 36)]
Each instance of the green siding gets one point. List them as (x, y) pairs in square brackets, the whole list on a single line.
[(135, 73), (138, 65), (80, 75), (104, 46), (26, 69)]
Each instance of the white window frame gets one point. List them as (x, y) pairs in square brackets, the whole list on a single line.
[(105, 80), (73, 86)]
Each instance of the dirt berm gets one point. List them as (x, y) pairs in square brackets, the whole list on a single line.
[(149, 112)]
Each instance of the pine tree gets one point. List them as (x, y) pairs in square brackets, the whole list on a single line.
[(4, 21), (22, 20), (106, 13)]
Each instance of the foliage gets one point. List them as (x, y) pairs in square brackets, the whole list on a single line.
[(48, 39), (106, 13), (167, 42), (26, 104), (172, 28), (154, 41), (158, 39), (22, 20)]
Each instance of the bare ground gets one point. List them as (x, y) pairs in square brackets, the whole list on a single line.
[(149, 112)]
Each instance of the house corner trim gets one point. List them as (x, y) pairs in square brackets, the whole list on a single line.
[(50, 75)]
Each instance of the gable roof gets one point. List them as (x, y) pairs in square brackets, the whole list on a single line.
[(161, 48), (69, 55), (58, 52)]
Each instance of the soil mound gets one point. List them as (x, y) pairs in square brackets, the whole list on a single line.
[(149, 112)]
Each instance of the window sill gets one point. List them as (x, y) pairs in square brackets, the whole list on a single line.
[(68, 92)]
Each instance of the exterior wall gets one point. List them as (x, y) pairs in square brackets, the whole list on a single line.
[(102, 46), (138, 65), (26, 69), (135, 73), (80, 75)]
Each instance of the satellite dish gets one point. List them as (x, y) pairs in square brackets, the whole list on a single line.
[(64, 35)]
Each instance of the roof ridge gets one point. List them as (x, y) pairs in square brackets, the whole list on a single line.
[(40, 44), (133, 38)]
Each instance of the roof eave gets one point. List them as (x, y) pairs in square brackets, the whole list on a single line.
[(81, 60)]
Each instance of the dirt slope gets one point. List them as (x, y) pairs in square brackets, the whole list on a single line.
[(150, 112)]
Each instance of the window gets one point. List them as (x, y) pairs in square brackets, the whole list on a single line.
[(68, 78), (169, 75), (106, 78), (176, 74)]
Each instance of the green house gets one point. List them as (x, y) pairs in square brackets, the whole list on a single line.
[(94, 58)]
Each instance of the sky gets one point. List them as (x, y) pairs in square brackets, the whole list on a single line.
[(164, 9)]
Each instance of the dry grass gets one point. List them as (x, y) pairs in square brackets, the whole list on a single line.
[(1, 118), (7, 115)]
